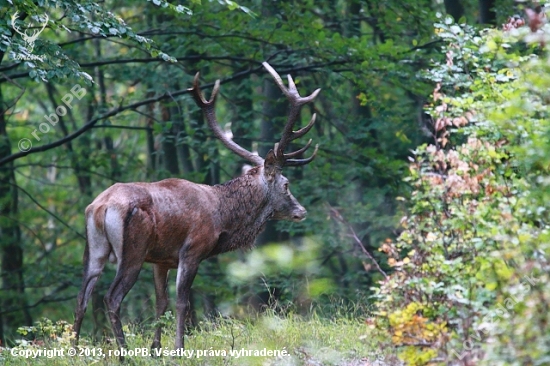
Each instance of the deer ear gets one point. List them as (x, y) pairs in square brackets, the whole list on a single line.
[(271, 165)]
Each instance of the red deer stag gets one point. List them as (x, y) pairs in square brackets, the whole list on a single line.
[(175, 223)]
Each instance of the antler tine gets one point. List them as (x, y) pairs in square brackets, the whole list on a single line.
[(277, 78), (291, 92), (209, 111), (302, 131), (298, 152), (197, 93), (299, 162)]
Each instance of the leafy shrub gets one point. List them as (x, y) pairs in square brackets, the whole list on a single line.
[(470, 263)]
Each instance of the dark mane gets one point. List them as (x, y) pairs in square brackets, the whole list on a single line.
[(242, 195)]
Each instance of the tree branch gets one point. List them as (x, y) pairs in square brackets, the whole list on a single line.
[(92, 122), (336, 216), (182, 58), (168, 95), (46, 299), (48, 211)]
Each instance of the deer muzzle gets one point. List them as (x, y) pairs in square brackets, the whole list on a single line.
[(299, 214)]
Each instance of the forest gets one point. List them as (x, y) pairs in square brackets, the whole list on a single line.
[(427, 237)]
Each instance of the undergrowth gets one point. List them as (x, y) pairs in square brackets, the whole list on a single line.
[(292, 340)]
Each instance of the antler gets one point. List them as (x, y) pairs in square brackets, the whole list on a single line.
[(296, 103), (208, 109)]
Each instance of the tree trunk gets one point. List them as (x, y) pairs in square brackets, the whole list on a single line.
[(242, 117), (182, 147), (151, 146), (169, 149), (13, 302), (487, 13), (454, 8)]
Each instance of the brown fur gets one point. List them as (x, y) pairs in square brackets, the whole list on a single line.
[(99, 216)]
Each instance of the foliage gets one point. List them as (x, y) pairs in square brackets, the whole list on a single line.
[(46, 333), (47, 61), (471, 259)]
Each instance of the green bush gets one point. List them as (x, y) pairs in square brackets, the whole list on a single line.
[(471, 261)]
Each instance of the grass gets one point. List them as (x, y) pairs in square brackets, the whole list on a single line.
[(295, 340)]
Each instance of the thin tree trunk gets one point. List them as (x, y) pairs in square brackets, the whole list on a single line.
[(487, 13), (182, 147), (169, 149), (12, 297), (454, 8), (115, 169), (151, 146)]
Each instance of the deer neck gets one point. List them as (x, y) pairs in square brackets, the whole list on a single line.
[(244, 211)]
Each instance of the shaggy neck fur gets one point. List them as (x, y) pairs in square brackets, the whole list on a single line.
[(244, 210)]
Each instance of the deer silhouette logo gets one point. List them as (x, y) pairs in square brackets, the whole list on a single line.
[(29, 39)]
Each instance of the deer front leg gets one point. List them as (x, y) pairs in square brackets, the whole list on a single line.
[(160, 274), (187, 269)]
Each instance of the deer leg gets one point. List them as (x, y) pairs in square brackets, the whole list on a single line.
[(94, 262), (129, 244), (187, 269), (160, 275), (126, 277)]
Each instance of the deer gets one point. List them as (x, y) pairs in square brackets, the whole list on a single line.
[(176, 224)]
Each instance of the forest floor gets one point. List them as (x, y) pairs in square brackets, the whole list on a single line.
[(264, 340)]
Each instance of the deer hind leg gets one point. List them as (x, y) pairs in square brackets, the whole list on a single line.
[(161, 291), (129, 242), (96, 254), (125, 279)]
